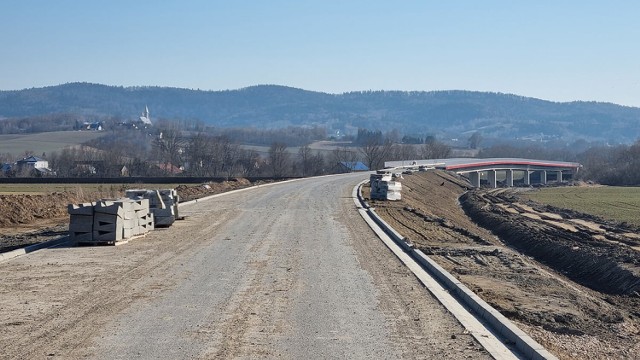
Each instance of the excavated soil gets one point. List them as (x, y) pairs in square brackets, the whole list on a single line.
[(30, 219), (570, 280)]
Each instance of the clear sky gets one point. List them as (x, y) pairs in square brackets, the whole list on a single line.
[(556, 50)]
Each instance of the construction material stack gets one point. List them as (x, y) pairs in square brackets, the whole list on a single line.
[(383, 187), (163, 204), (109, 221), (80, 222)]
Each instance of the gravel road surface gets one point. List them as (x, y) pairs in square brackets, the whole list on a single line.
[(287, 271)]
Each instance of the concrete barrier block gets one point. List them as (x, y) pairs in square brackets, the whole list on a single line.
[(140, 204), (127, 233), (80, 236), (80, 209), (163, 221), (163, 212), (107, 236), (109, 207), (81, 223), (107, 222), (129, 223), (104, 218)]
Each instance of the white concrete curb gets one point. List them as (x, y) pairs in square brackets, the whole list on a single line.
[(528, 347), (31, 248)]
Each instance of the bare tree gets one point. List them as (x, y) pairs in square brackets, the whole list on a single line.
[(278, 159), (342, 155), (435, 150), (305, 156), (170, 145), (474, 140), (375, 152)]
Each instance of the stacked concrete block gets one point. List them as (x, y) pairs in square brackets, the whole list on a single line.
[(112, 221), (109, 221), (383, 187), (144, 219), (80, 222), (163, 204)]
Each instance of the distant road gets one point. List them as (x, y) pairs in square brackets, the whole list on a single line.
[(288, 271)]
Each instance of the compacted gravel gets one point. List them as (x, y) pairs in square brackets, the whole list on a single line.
[(289, 270)]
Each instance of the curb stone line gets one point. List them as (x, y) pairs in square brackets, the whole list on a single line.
[(523, 342)]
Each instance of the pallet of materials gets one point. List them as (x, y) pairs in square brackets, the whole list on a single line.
[(163, 204), (109, 221), (383, 187)]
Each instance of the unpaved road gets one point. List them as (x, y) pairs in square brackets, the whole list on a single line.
[(287, 271)]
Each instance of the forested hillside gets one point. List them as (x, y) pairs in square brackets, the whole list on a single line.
[(445, 114)]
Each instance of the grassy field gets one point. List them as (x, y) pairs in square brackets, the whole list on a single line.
[(48, 142), (609, 202), (39, 189)]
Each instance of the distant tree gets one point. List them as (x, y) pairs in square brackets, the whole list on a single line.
[(342, 155), (407, 139), (305, 157), (249, 163), (474, 140), (278, 159), (434, 149), (375, 151), (170, 145)]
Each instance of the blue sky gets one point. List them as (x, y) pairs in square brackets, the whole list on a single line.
[(555, 50)]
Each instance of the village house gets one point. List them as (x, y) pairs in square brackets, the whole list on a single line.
[(33, 166)]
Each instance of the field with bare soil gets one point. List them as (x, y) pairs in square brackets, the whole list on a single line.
[(571, 280)]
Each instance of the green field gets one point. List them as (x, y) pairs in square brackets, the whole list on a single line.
[(48, 142), (609, 202)]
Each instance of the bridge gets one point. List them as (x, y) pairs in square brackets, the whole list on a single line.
[(498, 171)]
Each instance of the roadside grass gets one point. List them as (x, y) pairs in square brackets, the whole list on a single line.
[(620, 204)]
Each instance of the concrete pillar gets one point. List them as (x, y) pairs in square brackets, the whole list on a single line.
[(559, 176), (527, 177), (491, 176), (543, 177), (509, 179), (474, 178)]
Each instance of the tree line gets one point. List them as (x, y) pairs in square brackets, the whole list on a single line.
[(170, 150)]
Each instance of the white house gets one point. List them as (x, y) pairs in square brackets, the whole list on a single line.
[(33, 162)]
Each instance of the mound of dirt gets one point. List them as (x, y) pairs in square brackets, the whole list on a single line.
[(191, 192), (605, 266), (25, 209)]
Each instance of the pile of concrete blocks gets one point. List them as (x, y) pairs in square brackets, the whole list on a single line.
[(109, 221), (81, 222), (163, 204), (383, 187)]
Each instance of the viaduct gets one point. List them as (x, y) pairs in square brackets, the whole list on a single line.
[(498, 171)]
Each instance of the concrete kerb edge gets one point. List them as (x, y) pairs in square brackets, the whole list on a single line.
[(523, 342), (31, 248)]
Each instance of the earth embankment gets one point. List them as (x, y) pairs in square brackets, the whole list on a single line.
[(575, 295)]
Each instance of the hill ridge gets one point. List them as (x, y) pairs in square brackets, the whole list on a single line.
[(444, 113)]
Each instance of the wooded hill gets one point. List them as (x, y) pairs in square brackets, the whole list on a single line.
[(445, 114)]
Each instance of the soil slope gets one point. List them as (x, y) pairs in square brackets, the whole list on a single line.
[(520, 262)]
